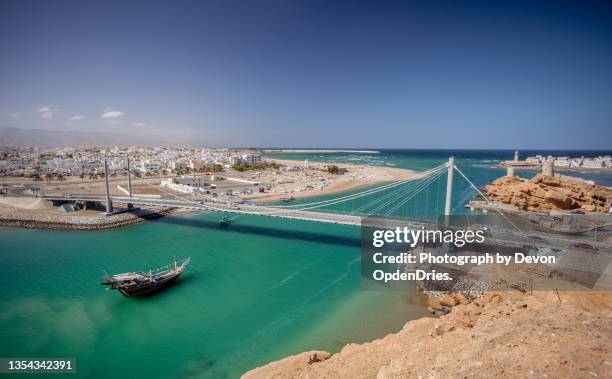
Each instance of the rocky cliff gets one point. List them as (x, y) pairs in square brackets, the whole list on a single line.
[(501, 335), (543, 193)]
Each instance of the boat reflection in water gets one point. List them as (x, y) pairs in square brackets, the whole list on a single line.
[(143, 283)]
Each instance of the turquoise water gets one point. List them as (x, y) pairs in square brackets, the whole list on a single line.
[(256, 291)]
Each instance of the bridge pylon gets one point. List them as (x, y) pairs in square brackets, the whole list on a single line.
[(109, 203), (129, 178), (449, 190)]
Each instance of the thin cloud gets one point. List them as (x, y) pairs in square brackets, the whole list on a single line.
[(47, 108), (138, 124), (47, 111), (76, 118), (15, 114), (108, 113)]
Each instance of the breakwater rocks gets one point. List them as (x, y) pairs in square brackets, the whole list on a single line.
[(544, 193), (32, 220)]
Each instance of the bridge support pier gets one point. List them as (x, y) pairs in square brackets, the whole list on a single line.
[(449, 190), (109, 203), (129, 169)]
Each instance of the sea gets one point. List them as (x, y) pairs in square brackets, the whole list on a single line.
[(255, 291)]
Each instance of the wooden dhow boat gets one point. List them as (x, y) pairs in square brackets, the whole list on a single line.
[(143, 283)]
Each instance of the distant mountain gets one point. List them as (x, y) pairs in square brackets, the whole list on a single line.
[(11, 136)]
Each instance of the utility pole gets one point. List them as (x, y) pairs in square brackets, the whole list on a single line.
[(449, 190), (109, 204)]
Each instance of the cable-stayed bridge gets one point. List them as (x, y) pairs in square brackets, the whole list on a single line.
[(391, 199), (416, 202)]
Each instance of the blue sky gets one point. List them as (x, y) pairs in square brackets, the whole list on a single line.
[(396, 74)]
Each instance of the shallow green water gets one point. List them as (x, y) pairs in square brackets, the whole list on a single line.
[(256, 291), (259, 290)]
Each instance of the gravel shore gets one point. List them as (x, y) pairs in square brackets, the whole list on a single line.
[(92, 221)]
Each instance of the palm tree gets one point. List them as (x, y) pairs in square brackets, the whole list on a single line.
[(48, 177), (82, 176), (60, 177)]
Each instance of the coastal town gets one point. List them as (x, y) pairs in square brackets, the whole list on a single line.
[(147, 161), (40, 186), (561, 162)]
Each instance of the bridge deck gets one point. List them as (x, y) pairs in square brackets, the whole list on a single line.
[(501, 237), (256, 210)]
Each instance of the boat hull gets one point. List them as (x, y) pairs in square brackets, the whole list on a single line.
[(148, 289)]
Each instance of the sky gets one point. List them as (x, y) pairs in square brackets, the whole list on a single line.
[(341, 74)]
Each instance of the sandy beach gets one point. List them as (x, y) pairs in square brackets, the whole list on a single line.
[(356, 176)]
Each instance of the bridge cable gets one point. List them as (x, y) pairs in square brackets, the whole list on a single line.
[(367, 192), (487, 199)]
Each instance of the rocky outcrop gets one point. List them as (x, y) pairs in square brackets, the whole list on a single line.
[(504, 335), (543, 193)]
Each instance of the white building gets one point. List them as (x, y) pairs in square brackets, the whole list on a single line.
[(191, 181), (151, 166), (250, 159), (234, 159), (562, 162), (592, 163)]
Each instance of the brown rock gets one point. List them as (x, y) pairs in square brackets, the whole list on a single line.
[(448, 301), (522, 336), (543, 193), (460, 298), (492, 298)]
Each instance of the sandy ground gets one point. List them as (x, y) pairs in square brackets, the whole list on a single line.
[(355, 177), (26, 207), (36, 213)]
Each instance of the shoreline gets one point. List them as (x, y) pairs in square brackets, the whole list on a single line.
[(77, 221), (358, 176), (321, 151)]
